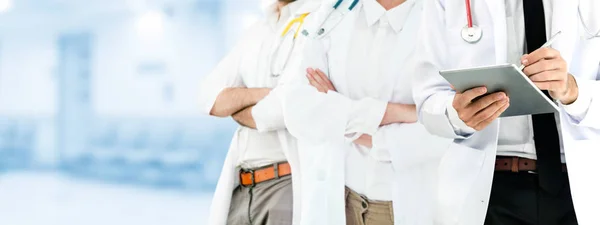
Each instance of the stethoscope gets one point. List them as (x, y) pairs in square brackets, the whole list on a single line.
[(591, 35), (324, 28), (471, 33), (328, 24), (277, 68)]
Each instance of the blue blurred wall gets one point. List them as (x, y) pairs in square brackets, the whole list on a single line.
[(106, 90)]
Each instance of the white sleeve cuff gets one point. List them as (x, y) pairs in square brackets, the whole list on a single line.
[(578, 109), (268, 113), (459, 126), (365, 116)]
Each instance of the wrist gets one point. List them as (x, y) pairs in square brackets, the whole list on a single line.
[(399, 113), (408, 113), (572, 92), (390, 115)]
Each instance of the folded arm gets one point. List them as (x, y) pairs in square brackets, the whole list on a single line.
[(244, 117), (266, 115), (315, 116), (394, 112), (223, 94), (232, 100)]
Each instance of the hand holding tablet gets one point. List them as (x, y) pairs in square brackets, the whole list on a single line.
[(509, 81)]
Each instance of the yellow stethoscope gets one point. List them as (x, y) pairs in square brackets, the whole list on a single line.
[(283, 49)]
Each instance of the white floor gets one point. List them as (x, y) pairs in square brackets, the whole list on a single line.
[(52, 199)]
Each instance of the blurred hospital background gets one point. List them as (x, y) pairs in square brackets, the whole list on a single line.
[(99, 122)]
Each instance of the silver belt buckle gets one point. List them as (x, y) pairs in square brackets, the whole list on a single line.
[(276, 168)]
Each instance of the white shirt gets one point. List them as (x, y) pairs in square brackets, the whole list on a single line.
[(516, 133), (249, 65), (370, 71)]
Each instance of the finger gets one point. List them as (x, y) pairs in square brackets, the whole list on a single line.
[(491, 119), (324, 77), (524, 57), (321, 74), (554, 75), (545, 65), (321, 78), (488, 112), (486, 101), (317, 77), (466, 97), (537, 55), (312, 81), (327, 81)]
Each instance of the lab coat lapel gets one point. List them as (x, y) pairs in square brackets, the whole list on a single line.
[(290, 149), (339, 41), (498, 15), (221, 201), (565, 19)]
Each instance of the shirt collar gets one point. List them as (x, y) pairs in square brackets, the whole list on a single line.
[(287, 11), (396, 16)]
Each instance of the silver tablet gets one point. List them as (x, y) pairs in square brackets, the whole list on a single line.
[(525, 97)]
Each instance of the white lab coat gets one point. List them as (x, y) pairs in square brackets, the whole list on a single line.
[(267, 114), (466, 170), (319, 120)]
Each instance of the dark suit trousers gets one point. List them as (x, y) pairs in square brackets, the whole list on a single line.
[(517, 199)]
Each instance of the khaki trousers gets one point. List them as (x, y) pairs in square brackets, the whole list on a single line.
[(362, 211), (267, 203)]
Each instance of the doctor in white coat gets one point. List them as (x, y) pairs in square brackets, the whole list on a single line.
[(259, 182), (508, 170), (357, 128)]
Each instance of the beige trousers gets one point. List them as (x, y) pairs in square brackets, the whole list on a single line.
[(267, 203), (362, 211)]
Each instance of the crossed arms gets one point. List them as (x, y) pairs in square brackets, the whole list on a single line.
[(394, 112), (238, 103)]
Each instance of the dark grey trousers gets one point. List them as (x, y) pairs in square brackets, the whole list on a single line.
[(517, 199), (267, 203)]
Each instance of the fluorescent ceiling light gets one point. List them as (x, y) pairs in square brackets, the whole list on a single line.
[(5, 5)]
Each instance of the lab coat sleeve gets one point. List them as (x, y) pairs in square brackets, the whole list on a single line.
[(268, 112), (225, 75), (317, 117), (585, 111), (407, 144), (433, 95)]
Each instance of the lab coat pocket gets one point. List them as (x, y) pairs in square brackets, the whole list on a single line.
[(458, 170), (481, 53)]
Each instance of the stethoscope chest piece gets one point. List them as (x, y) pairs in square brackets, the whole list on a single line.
[(471, 34)]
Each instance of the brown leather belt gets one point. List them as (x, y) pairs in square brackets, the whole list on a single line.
[(518, 164), (251, 177)]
